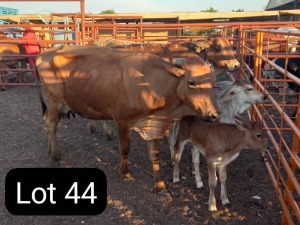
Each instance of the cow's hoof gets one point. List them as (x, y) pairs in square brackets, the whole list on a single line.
[(109, 137), (199, 184), (165, 193), (212, 208), (127, 177), (226, 202), (93, 128), (54, 157), (176, 179)]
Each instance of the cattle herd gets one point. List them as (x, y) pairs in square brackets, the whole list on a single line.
[(159, 91)]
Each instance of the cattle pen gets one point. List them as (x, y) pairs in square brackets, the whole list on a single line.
[(255, 44)]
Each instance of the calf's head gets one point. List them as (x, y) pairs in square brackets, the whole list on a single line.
[(195, 88), (253, 134)]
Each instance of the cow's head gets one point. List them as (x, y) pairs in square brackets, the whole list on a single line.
[(240, 94), (196, 86), (220, 53)]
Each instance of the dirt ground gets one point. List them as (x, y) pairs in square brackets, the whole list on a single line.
[(23, 143)]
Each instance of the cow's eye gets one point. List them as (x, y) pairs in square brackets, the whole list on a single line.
[(249, 89), (218, 48), (258, 135), (192, 83)]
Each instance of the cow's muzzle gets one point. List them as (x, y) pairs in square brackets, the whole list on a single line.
[(214, 117), (231, 67)]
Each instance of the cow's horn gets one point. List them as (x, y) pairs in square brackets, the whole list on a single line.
[(179, 62)]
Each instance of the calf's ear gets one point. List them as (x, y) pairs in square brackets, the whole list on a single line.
[(241, 124)]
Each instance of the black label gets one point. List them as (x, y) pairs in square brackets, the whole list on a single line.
[(55, 191)]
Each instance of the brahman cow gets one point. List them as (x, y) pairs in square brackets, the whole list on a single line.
[(138, 91), (219, 143)]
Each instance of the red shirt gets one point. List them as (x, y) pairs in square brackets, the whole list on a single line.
[(32, 46)]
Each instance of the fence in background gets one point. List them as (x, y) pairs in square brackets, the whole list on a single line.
[(256, 44)]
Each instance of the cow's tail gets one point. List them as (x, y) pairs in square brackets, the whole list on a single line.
[(39, 89)]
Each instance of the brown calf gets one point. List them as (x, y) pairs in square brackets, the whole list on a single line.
[(220, 143)]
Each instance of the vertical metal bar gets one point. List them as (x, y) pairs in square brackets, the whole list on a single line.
[(240, 49), (82, 11), (257, 64), (141, 36)]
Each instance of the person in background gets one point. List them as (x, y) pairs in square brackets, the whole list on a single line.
[(31, 45)]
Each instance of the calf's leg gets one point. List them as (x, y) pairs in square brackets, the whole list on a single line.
[(177, 156), (196, 163), (172, 138), (223, 176), (212, 181)]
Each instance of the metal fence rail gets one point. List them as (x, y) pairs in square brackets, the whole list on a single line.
[(282, 159)]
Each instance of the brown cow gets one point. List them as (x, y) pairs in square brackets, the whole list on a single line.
[(9, 56), (216, 49), (11, 49), (138, 91), (155, 49)]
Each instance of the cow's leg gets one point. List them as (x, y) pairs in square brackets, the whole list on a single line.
[(22, 76), (223, 176), (212, 181), (92, 126), (196, 163), (124, 146), (51, 118), (108, 129), (154, 157), (2, 78)]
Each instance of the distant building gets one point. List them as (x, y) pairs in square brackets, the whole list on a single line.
[(283, 5), (7, 11)]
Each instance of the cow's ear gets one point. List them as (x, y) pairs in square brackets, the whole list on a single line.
[(229, 93), (176, 71), (207, 43)]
